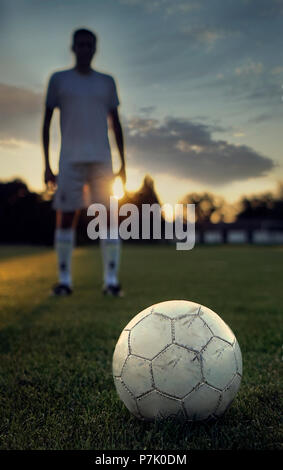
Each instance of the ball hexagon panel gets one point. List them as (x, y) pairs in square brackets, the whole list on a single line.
[(176, 308), (154, 405), (219, 363), (121, 353), (137, 376), (176, 371), (201, 402), (238, 356), (126, 397), (138, 317), (192, 333), (216, 324), (228, 395), (150, 336)]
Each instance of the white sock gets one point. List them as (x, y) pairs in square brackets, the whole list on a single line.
[(110, 250), (64, 243)]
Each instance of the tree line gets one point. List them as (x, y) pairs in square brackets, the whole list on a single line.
[(28, 217)]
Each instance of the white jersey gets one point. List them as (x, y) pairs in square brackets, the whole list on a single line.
[(84, 102)]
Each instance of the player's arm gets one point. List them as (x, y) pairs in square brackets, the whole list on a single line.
[(115, 124), (48, 174), (52, 100)]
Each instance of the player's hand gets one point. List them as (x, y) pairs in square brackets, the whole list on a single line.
[(49, 178), (122, 174)]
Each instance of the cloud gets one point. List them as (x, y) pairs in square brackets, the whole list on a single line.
[(249, 81), (203, 34), (205, 39), (181, 7), (186, 149), (10, 143), (277, 70), (239, 134), (16, 101), (262, 117), (20, 110), (147, 109), (249, 68), (176, 146), (166, 6), (237, 11)]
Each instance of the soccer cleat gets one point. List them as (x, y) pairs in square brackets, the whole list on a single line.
[(114, 290), (61, 290)]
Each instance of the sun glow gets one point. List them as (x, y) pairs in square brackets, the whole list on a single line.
[(118, 189)]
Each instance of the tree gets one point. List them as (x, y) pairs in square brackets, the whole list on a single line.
[(208, 207)]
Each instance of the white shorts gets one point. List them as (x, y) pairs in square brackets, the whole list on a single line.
[(82, 184)]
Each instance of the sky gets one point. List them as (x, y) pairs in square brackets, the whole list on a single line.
[(200, 84)]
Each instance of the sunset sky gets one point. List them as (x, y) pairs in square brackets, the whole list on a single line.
[(199, 81)]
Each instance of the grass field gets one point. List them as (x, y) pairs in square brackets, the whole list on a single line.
[(56, 383)]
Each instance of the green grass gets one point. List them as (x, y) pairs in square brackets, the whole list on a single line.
[(56, 383)]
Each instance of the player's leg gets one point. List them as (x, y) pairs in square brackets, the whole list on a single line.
[(111, 252), (101, 189), (68, 201), (64, 244)]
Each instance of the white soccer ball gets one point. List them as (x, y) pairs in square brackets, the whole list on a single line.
[(177, 359)]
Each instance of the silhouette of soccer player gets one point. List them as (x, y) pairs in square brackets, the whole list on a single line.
[(88, 101)]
